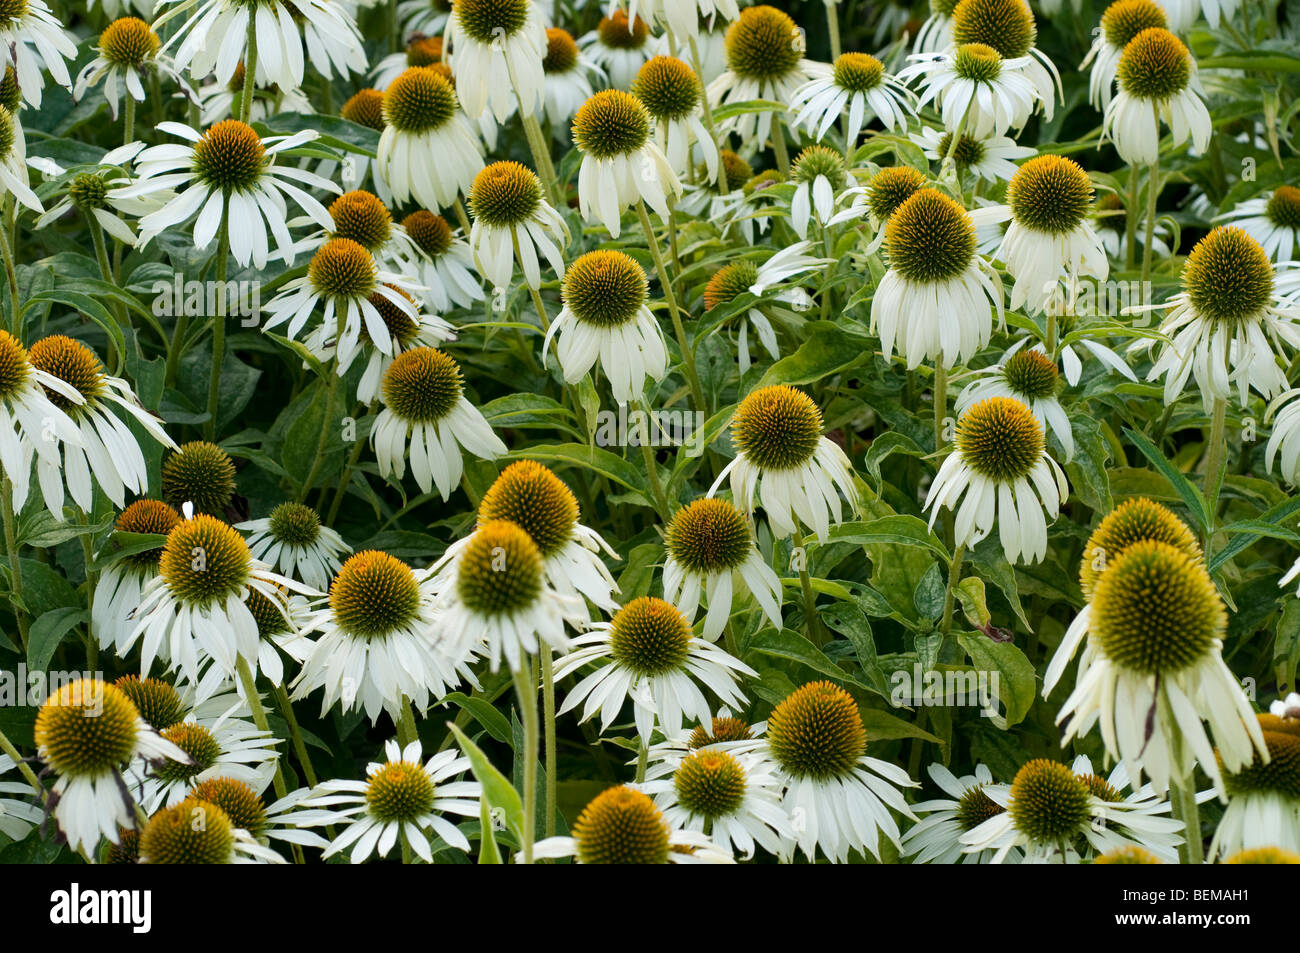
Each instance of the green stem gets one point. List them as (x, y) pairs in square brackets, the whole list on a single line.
[(833, 28), (406, 730), (250, 72), (344, 480), (259, 715), (128, 120), (25, 769), (1153, 192), (1214, 464), (940, 403), (642, 760), (15, 564), (106, 272), (954, 577), (812, 620), (526, 689), (549, 738), (295, 735), (218, 323), (11, 273), (779, 148), (651, 466), (723, 185), (331, 389), (1130, 219)]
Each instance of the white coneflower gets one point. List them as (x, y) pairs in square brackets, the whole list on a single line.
[(1157, 80), (1264, 797), (937, 838), (378, 643), (107, 454), (568, 83), (401, 801), (421, 50), (427, 417), (442, 263), (820, 180), (195, 831), (293, 540), (765, 60), (621, 165), (35, 41), (734, 796), (1228, 327), (1272, 219), (839, 799), (710, 551), (684, 17), (247, 811), (605, 320), (1134, 813), (856, 82), (992, 159), (782, 457), (622, 825), (364, 218), (493, 597), (13, 162), (1122, 20), (935, 33), (1050, 237), (937, 299), (1000, 472), (1031, 377), (95, 195), (648, 655), (745, 277), (127, 52), (974, 89), (86, 731), (496, 48), (199, 477), (18, 815), (1156, 630), (228, 165), (1007, 28), (122, 583), (619, 46), (671, 93), (512, 219), (423, 118), (538, 502)]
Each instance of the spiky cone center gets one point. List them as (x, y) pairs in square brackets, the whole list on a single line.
[(1128, 854), (86, 729), (422, 385), (1155, 65), (362, 217), (762, 180), (1280, 776), (561, 51), (763, 43), (241, 803), (1125, 19), (1050, 194), (819, 161), (491, 20), (230, 157), (401, 327), (1228, 276), (158, 703), (710, 784), (668, 87), (974, 807), (191, 832), (1000, 439), (1031, 375), (1048, 803), (969, 151), (611, 123), (736, 170), (1133, 521), (15, 368), (501, 571), (891, 187), (11, 94), (621, 826), (419, 99), (708, 535), (1264, 855), (777, 428), (728, 282), (817, 732), (1155, 610), (73, 363), (605, 289), (430, 232), (1283, 207), (374, 594), (1100, 788), (365, 108), (267, 614), (8, 135), (399, 791), (200, 473), (858, 72), (1005, 25), (649, 637), (295, 524), (342, 268), (126, 850), (724, 729), (88, 191), (931, 238), (197, 742), (505, 193), (128, 41), (204, 562), (616, 32), (151, 517), (977, 63), (424, 51), (532, 497)]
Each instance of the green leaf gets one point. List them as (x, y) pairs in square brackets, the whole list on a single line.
[(48, 631), (1188, 493), (497, 791), (1017, 683), (788, 644), (596, 459), (896, 529), (127, 544), (882, 726), (485, 713), (826, 350), (931, 593)]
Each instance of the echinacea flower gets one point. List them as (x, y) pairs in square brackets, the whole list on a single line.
[(201, 475), (710, 551), (605, 321), (684, 17), (936, 839), (1031, 377), (13, 162), (671, 93), (421, 49), (128, 51), (1134, 812), (427, 418), (293, 540), (1157, 80), (423, 118), (991, 159), (95, 195), (1007, 28), (820, 179), (1264, 855), (496, 48), (513, 220), (265, 823), (1120, 23), (765, 60), (856, 82), (1272, 219), (935, 32), (36, 41), (782, 457), (647, 654), (442, 262), (999, 472), (567, 83), (1264, 797), (365, 108), (121, 583), (619, 46), (194, 831), (974, 89)]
